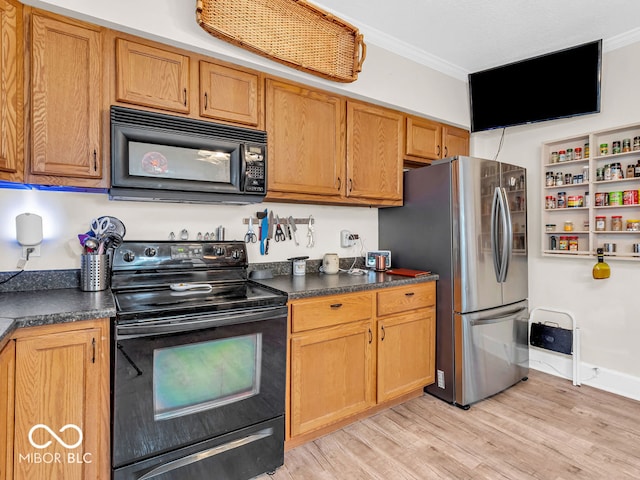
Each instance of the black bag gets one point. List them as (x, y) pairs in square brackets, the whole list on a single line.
[(551, 337)]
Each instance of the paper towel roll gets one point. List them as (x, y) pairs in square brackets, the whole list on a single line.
[(29, 229)]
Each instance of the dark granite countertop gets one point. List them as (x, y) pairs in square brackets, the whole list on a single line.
[(30, 308), (45, 307), (316, 284)]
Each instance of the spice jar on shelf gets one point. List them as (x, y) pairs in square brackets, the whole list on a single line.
[(563, 244), (601, 223), (573, 244), (616, 223), (568, 226)]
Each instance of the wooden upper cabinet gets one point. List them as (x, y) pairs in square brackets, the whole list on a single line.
[(374, 153), (456, 141), (66, 102), (424, 138), (11, 92), (306, 152), (151, 76), (230, 94), (427, 140)]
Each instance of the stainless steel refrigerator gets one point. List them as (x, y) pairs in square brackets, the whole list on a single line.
[(465, 219)]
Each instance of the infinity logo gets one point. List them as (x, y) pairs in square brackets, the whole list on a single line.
[(53, 434)]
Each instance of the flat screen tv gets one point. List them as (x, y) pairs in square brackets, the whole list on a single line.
[(561, 84)]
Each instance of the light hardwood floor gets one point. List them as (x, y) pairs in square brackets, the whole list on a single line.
[(543, 429)]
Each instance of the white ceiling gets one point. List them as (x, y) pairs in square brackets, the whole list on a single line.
[(462, 36)]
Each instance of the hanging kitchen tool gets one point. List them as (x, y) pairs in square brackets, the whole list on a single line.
[(264, 226), (250, 236), (269, 232), (292, 226), (310, 240), (279, 235)]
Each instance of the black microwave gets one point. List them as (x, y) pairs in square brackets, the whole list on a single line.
[(159, 157)]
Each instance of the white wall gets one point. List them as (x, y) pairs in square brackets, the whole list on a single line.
[(605, 310)]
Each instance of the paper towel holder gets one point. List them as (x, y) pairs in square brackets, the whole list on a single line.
[(29, 234)]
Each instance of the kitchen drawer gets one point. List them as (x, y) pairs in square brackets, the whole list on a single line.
[(330, 310), (405, 298)]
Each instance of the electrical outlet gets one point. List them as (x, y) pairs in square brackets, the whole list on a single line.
[(28, 252), (346, 239)]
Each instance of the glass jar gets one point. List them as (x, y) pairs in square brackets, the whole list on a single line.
[(615, 147), (550, 202), (616, 223), (568, 226), (562, 155), (562, 200), (569, 154), (577, 153), (601, 223), (586, 150), (604, 149), (633, 225), (563, 244), (551, 179), (626, 144), (573, 244), (555, 157), (550, 227)]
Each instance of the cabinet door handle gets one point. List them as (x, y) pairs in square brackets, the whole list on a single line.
[(370, 336), (93, 348), (438, 150), (383, 333), (339, 183), (95, 160), (206, 100), (184, 95), (335, 306), (409, 294), (350, 185), (446, 151)]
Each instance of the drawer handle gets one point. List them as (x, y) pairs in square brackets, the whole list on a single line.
[(335, 305), (383, 333), (370, 336), (409, 294)]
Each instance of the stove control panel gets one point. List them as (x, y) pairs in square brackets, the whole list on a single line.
[(186, 251), (144, 255)]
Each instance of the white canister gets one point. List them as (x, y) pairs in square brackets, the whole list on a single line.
[(330, 263), (299, 267)]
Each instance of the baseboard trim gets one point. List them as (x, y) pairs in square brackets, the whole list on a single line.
[(593, 375)]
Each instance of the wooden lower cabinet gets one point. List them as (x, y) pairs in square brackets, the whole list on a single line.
[(325, 391), (7, 373), (62, 402), (405, 353), (341, 368)]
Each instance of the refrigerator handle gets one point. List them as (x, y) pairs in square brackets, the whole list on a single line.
[(495, 228), (507, 236), (497, 319)]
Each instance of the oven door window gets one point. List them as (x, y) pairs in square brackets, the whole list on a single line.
[(179, 163), (197, 377)]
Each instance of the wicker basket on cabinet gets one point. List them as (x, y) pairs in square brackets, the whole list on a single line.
[(292, 32)]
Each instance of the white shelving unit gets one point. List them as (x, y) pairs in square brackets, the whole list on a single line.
[(583, 217)]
